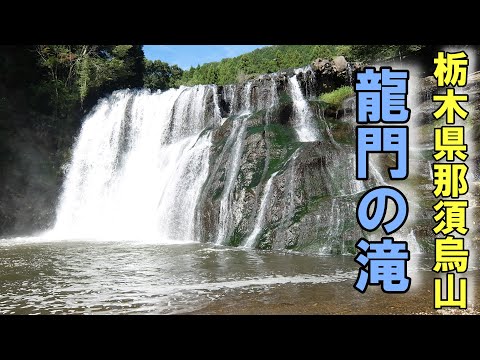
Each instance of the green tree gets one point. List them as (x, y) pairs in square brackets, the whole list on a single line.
[(246, 64), (373, 53), (322, 51), (61, 62), (155, 76)]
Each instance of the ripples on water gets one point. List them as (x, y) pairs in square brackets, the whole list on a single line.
[(107, 277), (63, 277)]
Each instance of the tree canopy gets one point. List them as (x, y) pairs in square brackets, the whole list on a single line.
[(160, 75), (260, 61)]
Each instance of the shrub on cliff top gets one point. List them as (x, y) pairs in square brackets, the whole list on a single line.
[(336, 97)]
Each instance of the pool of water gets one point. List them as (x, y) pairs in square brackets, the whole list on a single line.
[(92, 277)]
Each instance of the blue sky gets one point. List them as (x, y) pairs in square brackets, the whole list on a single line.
[(193, 55)]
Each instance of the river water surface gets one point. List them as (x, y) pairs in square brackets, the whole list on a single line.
[(91, 277)]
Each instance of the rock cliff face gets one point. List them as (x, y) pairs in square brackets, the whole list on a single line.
[(269, 189), (302, 195)]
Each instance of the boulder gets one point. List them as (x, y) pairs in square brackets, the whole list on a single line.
[(319, 64), (340, 63)]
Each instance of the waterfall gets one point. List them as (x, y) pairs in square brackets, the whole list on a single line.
[(233, 166), (376, 174), (138, 166), (330, 136), (247, 99), (166, 167), (304, 127), (235, 143), (335, 222), (273, 96), (309, 79), (250, 242), (216, 106), (229, 97), (350, 74), (357, 186)]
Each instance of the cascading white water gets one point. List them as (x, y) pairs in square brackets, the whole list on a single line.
[(229, 96), (335, 222), (237, 135), (142, 160), (413, 245), (247, 98), (355, 186), (273, 95), (430, 170), (250, 241), (138, 167), (350, 74), (216, 107), (376, 174), (304, 126)]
